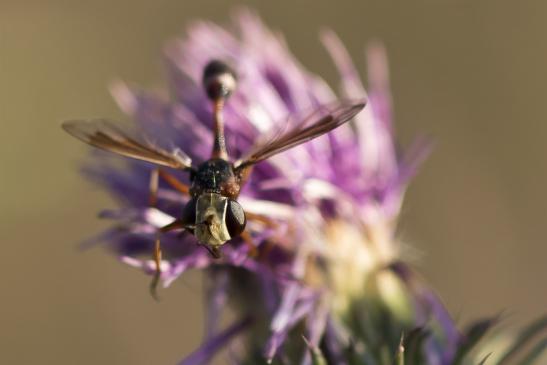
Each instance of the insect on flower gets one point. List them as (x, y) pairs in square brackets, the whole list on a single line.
[(212, 214)]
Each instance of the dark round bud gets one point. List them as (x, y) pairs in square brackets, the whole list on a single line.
[(219, 80), (235, 218)]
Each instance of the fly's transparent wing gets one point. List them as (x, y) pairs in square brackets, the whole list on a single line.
[(324, 119), (106, 135)]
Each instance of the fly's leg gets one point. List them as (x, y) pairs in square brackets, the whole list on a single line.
[(153, 200), (268, 222), (176, 224), (244, 174), (157, 272), (214, 251), (174, 182), (246, 236), (171, 180), (153, 185)]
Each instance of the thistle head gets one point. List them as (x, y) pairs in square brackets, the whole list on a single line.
[(325, 264)]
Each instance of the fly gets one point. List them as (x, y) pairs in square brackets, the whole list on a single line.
[(212, 214)]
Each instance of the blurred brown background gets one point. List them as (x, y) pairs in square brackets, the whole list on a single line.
[(469, 73)]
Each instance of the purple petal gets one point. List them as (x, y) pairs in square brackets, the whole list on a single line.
[(379, 90), (316, 325), (197, 260), (106, 236), (429, 306), (216, 299), (334, 343), (296, 304), (412, 160), (351, 82), (208, 349)]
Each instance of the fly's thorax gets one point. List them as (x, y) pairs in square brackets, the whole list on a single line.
[(211, 226), (215, 176)]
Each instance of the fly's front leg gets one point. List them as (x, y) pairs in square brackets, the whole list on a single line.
[(176, 224), (157, 272), (153, 201)]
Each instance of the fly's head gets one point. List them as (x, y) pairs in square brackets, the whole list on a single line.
[(217, 219)]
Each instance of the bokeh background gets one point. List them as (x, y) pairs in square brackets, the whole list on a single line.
[(469, 73)]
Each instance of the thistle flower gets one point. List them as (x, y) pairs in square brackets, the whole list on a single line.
[(327, 283)]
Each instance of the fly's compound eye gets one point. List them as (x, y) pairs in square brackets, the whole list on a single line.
[(235, 218), (189, 213)]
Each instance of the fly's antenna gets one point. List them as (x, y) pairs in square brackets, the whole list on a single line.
[(219, 81)]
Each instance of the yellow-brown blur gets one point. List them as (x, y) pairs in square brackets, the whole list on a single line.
[(471, 74)]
